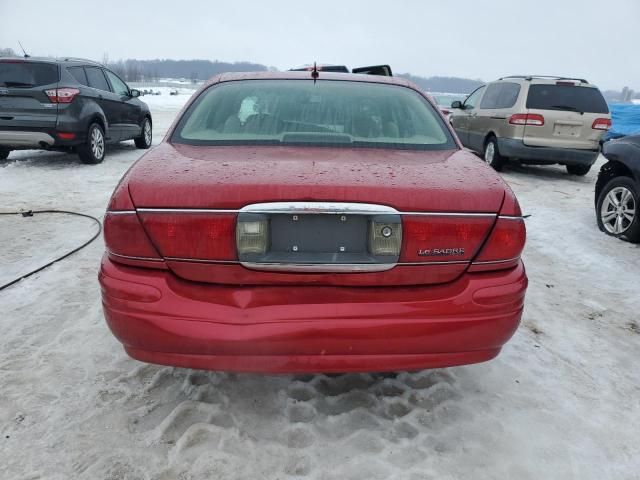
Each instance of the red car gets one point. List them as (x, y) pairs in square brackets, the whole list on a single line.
[(296, 224)]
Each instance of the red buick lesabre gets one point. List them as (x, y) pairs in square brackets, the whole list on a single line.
[(296, 224)]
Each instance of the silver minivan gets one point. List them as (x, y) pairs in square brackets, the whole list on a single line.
[(534, 119)]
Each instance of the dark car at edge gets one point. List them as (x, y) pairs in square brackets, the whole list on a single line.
[(68, 105)]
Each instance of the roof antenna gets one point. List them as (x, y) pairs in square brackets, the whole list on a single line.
[(314, 73), (26, 55)]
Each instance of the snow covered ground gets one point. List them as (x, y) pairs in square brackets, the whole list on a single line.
[(560, 402)]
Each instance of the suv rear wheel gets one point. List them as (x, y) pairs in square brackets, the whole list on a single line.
[(492, 154), (617, 209), (93, 150), (4, 153), (144, 140), (578, 169)]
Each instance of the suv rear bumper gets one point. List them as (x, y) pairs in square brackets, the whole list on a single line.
[(25, 139), (510, 147), (160, 318), (20, 138)]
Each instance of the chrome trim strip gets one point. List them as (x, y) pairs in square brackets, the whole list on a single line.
[(199, 260), (185, 210), (444, 262), (497, 261), (148, 259), (319, 268), (450, 214), (511, 217), (328, 265), (121, 212), (332, 208), (327, 208)]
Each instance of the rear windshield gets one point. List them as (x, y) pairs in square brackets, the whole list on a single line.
[(27, 74), (336, 113), (566, 97)]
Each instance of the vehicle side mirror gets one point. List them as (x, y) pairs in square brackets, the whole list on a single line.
[(134, 93), (456, 104)]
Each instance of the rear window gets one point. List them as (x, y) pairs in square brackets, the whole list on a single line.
[(301, 112), (566, 97), (27, 74)]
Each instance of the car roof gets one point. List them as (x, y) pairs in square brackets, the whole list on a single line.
[(61, 60), (306, 75)]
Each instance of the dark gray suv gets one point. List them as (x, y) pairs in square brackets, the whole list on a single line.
[(70, 105)]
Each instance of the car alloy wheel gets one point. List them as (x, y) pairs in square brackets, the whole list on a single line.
[(490, 153), (147, 132), (618, 210), (97, 143)]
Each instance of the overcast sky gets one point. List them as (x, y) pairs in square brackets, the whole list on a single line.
[(483, 39)]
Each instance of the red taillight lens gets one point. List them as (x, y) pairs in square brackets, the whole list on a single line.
[(124, 236), (601, 124), (66, 135), (532, 119), (436, 239), (199, 236), (503, 247), (62, 95)]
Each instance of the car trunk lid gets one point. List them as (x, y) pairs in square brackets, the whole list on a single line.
[(320, 206)]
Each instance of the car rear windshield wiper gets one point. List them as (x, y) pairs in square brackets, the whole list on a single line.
[(565, 107), (17, 84)]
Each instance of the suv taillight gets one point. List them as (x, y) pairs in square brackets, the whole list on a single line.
[(62, 95), (532, 119), (601, 124)]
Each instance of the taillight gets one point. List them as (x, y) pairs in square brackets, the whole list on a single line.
[(202, 236), (62, 95), (434, 239), (503, 247), (532, 119), (124, 236), (601, 124)]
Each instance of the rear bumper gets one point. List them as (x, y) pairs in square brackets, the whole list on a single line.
[(160, 318), (25, 139), (20, 138), (510, 147)]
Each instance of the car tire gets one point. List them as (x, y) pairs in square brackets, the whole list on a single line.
[(579, 170), (93, 150), (617, 209), (491, 154), (4, 153), (144, 140)]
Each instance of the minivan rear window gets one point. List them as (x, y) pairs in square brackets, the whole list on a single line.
[(566, 97), (21, 74)]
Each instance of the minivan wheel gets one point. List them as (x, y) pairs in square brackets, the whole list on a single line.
[(93, 150), (492, 154), (578, 169), (144, 140), (4, 153), (616, 209)]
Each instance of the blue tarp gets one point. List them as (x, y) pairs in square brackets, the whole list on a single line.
[(625, 120)]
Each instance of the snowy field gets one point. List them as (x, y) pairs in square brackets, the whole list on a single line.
[(562, 401)]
